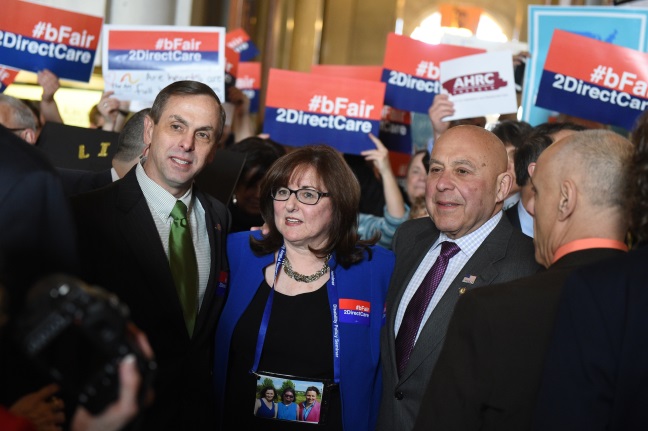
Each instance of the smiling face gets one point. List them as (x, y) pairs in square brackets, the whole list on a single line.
[(311, 397), (269, 394), (182, 142), (467, 181), (304, 225)]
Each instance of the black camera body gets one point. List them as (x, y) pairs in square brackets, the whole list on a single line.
[(78, 334)]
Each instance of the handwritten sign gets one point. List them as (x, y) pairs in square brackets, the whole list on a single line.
[(35, 37), (139, 61), (304, 109)]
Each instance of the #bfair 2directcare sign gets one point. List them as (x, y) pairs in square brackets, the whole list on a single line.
[(595, 80), (303, 108), (34, 37), (139, 61)]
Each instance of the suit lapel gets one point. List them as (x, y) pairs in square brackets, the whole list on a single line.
[(215, 234), (408, 260), (141, 236)]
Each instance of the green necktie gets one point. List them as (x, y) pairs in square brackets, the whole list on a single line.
[(182, 260)]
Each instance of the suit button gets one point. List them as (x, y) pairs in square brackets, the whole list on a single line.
[(399, 395)]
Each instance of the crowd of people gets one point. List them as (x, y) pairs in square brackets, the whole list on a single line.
[(498, 285)]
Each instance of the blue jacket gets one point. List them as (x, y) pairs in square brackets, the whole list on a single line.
[(360, 373)]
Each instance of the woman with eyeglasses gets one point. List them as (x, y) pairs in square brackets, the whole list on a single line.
[(288, 408), (310, 287)]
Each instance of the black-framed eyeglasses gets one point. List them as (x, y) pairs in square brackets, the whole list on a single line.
[(305, 196), (19, 129), (289, 396)]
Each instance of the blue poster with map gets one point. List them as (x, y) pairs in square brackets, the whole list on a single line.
[(617, 25)]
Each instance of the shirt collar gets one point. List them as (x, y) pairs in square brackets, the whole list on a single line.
[(587, 243), (160, 200), (471, 242)]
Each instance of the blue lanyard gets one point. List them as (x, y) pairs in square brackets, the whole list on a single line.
[(333, 301)]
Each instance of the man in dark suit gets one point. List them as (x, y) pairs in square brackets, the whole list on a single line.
[(37, 239), (490, 366), (525, 157), (466, 186), (525, 160), (596, 371), (127, 243)]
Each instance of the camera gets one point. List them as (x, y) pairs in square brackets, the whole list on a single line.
[(78, 334)]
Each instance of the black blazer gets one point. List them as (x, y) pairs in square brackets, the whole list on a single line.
[(596, 371), (37, 238), (513, 216), (121, 251), (488, 373), (76, 181)]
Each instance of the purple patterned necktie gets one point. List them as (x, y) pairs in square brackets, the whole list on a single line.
[(419, 303)]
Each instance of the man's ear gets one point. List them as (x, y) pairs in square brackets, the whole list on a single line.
[(567, 201), (148, 131), (531, 168), (504, 183), (29, 136)]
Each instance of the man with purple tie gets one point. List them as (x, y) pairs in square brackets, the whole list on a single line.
[(465, 243)]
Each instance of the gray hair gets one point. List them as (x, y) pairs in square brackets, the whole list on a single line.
[(23, 117), (602, 158)]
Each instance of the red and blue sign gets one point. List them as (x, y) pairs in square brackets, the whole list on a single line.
[(354, 311), (248, 80), (7, 76), (594, 80), (239, 41), (395, 125), (35, 37), (159, 50), (303, 109), (231, 66), (411, 71)]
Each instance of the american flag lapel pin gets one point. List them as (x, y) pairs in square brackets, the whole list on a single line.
[(469, 279)]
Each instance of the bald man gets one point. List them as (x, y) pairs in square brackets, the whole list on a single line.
[(466, 234), (489, 371)]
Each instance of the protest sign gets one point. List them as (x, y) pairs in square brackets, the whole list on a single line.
[(239, 41), (7, 76), (480, 84), (304, 109), (395, 124), (249, 81), (411, 71), (619, 26), (594, 80), (35, 37), (231, 66), (139, 61), (369, 73)]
